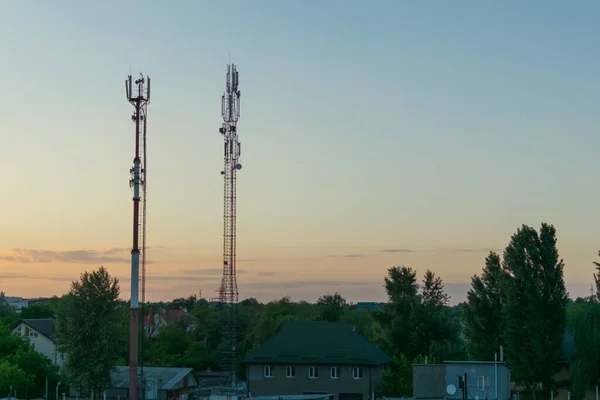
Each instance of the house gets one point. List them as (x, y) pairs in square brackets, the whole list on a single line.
[(309, 358), (157, 320), (40, 333), (161, 383), (485, 380)]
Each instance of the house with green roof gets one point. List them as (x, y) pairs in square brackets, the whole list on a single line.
[(315, 358)]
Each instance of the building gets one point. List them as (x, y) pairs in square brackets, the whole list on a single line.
[(40, 333), (16, 303), (309, 358), (161, 383), (485, 380), (157, 320)]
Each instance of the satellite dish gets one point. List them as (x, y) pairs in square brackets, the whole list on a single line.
[(238, 166), (222, 172), (451, 389)]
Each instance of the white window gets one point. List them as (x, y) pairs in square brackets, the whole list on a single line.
[(483, 382), (290, 371), (335, 372), (268, 371), (313, 372), (357, 372)]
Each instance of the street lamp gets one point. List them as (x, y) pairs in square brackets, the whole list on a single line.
[(57, 385)]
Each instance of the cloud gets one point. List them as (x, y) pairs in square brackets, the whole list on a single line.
[(72, 256), (267, 273), (208, 271), (396, 251), (304, 284), (10, 275), (474, 250), (246, 260), (346, 256)]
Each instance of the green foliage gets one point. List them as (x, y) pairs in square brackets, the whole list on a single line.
[(22, 367), (37, 311), (397, 379), (482, 314), (8, 316), (535, 304), (416, 318), (331, 307), (584, 320), (89, 330)]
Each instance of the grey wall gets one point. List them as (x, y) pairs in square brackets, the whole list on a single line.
[(429, 381), (474, 370), (279, 384)]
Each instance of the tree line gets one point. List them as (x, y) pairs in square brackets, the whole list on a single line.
[(519, 301)]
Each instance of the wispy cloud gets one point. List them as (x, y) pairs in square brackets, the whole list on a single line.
[(396, 251), (72, 256), (249, 260), (268, 273), (346, 256), (208, 271), (472, 250)]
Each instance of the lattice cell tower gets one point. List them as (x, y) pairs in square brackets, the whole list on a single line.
[(228, 292), (140, 101)]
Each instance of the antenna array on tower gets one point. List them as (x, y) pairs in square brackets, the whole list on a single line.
[(140, 102), (228, 292)]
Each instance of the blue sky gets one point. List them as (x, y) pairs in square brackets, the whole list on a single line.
[(366, 125)]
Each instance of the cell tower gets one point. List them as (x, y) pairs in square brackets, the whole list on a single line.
[(228, 292), (140, 102)]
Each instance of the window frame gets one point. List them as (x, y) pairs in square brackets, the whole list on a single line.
[(338, 373), (313, 372), (359, 375), (483, 383), (268, 368), (288, 369)]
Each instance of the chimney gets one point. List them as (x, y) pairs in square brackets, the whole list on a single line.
[(425, 360), (501, 353)]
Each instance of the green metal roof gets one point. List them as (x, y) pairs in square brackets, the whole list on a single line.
[(317, 343)]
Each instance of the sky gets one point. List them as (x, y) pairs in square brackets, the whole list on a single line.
[(374, 134)]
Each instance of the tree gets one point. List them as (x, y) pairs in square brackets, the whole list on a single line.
[(23, 367), (88, 330), (37, 311), (331, 307), (433, 296), (403, 293), (8, 316), (597, 278), (396, 381), (482, 313), (535, 306), (432, 329)]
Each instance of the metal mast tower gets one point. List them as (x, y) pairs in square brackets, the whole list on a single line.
[(228, 292), (140, 102)]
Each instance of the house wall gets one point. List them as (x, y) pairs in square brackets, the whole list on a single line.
[(42, 344), (429, 381), (279, 384), (474, 371)]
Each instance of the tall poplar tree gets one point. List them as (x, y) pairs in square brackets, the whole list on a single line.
[(482, 314), (535, 308)]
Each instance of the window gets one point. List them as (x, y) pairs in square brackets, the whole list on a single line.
[(313, 372), (268, 371), (335, 372), (290, 371), (357, 372), (483, 382)]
